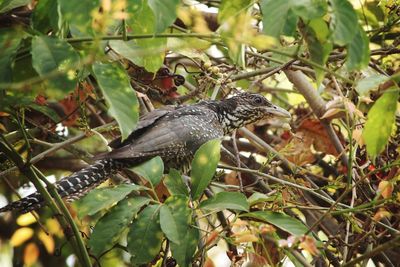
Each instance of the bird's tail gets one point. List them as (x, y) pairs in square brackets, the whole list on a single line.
[(72, 187)]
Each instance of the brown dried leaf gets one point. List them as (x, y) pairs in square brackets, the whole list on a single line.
[(254, 259), (297, 149), (211, 237), (314, 130), (40, 100), (209, 263), (71, 102), (332, 114), (266, 251), (338, 105)]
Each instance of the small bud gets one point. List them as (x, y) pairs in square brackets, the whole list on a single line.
[(207, 65), (215, 70)]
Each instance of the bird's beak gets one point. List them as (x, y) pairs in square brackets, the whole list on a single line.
[(278, 111)]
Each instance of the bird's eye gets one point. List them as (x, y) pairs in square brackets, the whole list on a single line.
[(258, 100)]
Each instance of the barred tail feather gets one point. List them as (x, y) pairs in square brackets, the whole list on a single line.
[(72, 187)]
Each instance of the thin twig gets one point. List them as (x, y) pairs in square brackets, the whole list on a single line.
[(387, 245), (239, 174)]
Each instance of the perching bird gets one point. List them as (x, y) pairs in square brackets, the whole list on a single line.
[(173, 133)]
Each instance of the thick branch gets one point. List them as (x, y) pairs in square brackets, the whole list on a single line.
[(317, 104)]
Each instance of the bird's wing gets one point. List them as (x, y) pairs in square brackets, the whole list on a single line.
[(144, 121), (170, 136), (153, 142)]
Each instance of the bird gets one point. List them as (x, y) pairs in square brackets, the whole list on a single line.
[(173, 132)]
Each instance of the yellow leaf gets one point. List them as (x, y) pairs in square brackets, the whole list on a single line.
[(381, 213), (194, 18), (31, 254), (184, 15), (308, 244), (54, 227), (2, 128), (246, 238), (20, 236), (262, 42), (385, 188), (357, 135), (26, 219), (47, 241)]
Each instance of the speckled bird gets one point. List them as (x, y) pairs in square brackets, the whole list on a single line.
[(173, 133)]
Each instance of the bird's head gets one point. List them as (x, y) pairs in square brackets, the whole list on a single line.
[(246, 108)]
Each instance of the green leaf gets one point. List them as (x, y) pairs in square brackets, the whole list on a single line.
[(175, 184), (175, 218), (237, 53), (231, 8), (164, 12), (371, 83), (278, 18), (320, 28), (129, 50), (380, 122), (344, 22), (105, 197), (78, 14), (358, 51), (257, 197), (280, 220), (22, 70), (204, 165), (121, 98), (51, 55), (152, 170), (233, 38), (8, 5), (319, 52), (226, 200), (45, 16), (184, 251), (109, 228), (10, 102), (142, 21), (168, 224), (309, 9), (145, 236), (46, 111), (9, 43)]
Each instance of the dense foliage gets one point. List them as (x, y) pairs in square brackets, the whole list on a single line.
[(322, 192)]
